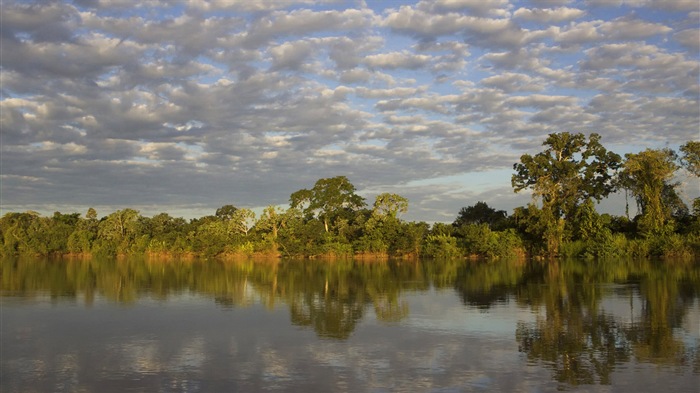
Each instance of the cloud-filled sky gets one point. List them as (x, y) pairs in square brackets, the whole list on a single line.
[(185, 106)]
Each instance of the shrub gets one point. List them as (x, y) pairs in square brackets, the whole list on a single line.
[(441, 246)]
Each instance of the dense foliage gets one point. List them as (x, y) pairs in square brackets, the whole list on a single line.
[(331, 220)]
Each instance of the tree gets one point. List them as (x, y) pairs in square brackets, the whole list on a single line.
[(241, 221), (570, 171), (226, 212), (271, 219), (389, 205), (118, 230), (647, 175), (691, 157), (327, 199), (480, 213)]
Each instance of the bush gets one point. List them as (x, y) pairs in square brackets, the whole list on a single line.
[(441, 246), (672, 246), (574, 249)]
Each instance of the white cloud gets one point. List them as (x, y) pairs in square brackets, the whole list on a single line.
[(511, 82), (254, 100), (549, 15), (249, 5), (673, 5), (689, 38), (541, 101), (626, 29), (397, 60), (478, 7), (291, 55)]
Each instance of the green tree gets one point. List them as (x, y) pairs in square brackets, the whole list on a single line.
[(91, 214), (166, 233), (570, 171), (117, 231), (226, 212), (327, 199), (440, 242), (241, 221), (540, 230), (389, 205), (691, 157), (480, 213), (271, 220), (210, 237), (648, 175), (84, 235), (411, 238)]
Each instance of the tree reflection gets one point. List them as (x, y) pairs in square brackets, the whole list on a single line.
[(667, 293), (329, 297), (574, 333), (332, 297), (582, 343), (482, 284), (581, 347)]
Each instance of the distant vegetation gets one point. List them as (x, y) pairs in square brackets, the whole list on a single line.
[(331, 220)]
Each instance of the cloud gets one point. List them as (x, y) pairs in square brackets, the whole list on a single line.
[(626, 29), (671, 5), (395, 60), (512, 82), (291, 55), (689, 38), (642, 67), (301, 22), (166, 105), (249, 6), (476, 7), (549, 15)]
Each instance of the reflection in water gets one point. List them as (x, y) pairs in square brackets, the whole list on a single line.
[(589, 323), (583, 343)]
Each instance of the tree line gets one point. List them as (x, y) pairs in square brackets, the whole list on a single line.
[(566, 179)]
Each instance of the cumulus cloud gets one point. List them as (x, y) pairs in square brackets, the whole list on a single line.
[(672, 5), (477, 7), (397, 60), (689, 38), (199, 103), (549, 15)]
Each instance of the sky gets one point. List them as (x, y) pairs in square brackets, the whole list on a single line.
[(185, 106)]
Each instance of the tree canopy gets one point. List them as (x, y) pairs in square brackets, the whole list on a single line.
[(327, 199), (480, 213), (569, 171), (648, 175)]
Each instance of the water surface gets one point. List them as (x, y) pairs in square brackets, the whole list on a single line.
[(296, 326)]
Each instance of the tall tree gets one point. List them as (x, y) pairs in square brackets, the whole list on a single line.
[(648, 176), (691, 157), (327, 199), (568, 172)]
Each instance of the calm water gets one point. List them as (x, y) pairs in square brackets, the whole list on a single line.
[(299, 326)]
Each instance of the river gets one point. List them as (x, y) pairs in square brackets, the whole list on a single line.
[(140, 325)]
